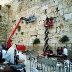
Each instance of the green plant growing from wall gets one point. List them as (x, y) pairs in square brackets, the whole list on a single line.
[(64, 39), (19, 28), (36, 41)]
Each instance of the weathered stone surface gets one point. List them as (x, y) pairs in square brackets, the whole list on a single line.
[(26, 8)]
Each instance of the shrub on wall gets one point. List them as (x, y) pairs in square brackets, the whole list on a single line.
[(36, 41), (64, 39)]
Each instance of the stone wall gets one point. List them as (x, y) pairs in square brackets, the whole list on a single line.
[(61, 10), (3, 23)]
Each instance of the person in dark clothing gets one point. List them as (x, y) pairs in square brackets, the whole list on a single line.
[(50, 51), (59, 51), (3, 55), (0, 53), (3, 45)]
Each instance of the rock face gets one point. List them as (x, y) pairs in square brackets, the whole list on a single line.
[(60, 10)]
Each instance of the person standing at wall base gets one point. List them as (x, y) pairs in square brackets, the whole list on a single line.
[(65, 53)]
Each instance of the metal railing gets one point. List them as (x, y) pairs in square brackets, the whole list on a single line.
[(43, 64)]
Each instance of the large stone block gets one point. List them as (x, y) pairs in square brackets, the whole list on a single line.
[(64, 5), (41, 36), (66, 10), (70, 9), (56, 2), (41, 32), (61, 12), (52, 14), (52, 3), (60, 6), (68, 16)]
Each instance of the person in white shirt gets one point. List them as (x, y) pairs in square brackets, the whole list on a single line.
[(65, 52), (22, 57), (3, 55), (10, 54)]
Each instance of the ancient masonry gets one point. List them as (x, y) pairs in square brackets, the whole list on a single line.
[(3, 23), (60, 10)]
